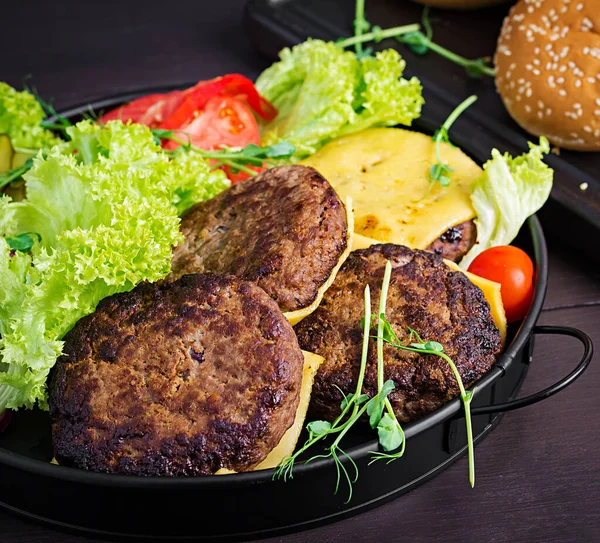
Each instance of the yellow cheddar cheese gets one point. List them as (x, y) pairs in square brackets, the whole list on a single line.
[(385, 171)]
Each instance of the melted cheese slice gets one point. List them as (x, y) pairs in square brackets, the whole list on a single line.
[(294, 317), (288, 442), (385, 171), (490, 289)]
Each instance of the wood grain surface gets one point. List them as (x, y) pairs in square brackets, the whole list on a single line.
[(538, 472)]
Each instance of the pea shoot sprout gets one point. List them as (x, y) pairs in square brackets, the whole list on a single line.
[(421, 42), (440, 171)]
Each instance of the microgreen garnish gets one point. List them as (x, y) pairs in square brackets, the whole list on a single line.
[(377, 34), (420, 43), (353, 407), (6, 178), (440, 171), (57, 122), (361, 25), (238, 159), (437, 349), (23, 242), (389, 429)]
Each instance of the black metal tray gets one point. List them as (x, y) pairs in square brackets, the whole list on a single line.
[(571, 214), (252, 505)]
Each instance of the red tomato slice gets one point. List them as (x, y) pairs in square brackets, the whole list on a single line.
[(224, 122), (135, 110), (235, 85), (150, 110)]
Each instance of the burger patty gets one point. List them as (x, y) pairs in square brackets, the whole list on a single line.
[(182, 378), (284, 230), (425, 295), (455, 242)]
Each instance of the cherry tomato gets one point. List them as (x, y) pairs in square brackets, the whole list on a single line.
[(513, 269), (224, 122)]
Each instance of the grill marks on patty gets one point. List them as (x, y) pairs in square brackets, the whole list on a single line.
[(176, 379), (441, 305), (284, 230)]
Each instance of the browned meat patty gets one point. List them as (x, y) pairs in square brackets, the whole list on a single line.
[(425, 295), (176, 379), (455, 242), (284, 230)]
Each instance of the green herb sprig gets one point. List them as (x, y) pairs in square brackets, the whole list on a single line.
[(377, 34), (421, 42), (239, 159), (440, 171), (58, 122), (23, 242), (437, 349), (6, 178), (353, 408)]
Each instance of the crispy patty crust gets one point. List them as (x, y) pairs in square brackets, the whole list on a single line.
[(182, 378), (284, 230), (425, 295)]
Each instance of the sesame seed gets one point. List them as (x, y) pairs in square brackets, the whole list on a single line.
[(583, 186), (597, 112), (578, 83), (536, 72), (577, 106), (540, 104), (591, 80), (528, 109), (528, 93), (579, 7), (586, 50), (536, 61), (587, 129), (540, 114), (562, 92), (548, 112)]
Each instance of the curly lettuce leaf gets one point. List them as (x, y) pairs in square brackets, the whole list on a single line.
[(323, 92), (20, 118), (508, 192), (106, 205)]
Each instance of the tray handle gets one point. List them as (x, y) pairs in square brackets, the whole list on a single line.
[(588, 352)]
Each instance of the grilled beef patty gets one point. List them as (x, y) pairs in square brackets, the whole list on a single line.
[(284, 230), (425, 295), (182, 378), (455, 242)]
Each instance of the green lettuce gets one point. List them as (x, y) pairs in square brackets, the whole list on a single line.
[(323, 92), (106, 205), (508, 192), (20, 118)]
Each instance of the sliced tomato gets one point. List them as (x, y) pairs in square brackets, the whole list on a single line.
[(150, 110), (224, 122), (135, 110), (234, 85)]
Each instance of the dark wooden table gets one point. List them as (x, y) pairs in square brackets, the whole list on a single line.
[(538, 472)]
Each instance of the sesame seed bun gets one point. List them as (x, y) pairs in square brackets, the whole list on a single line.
[(548, 70)]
